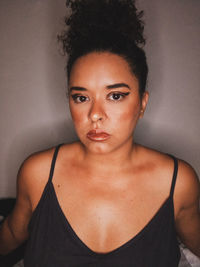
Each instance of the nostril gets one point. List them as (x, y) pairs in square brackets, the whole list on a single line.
[(96, 113), (96, 117)]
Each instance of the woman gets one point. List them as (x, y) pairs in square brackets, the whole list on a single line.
[(107, 201)]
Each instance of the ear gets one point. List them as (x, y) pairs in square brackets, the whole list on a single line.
[(144, 101)]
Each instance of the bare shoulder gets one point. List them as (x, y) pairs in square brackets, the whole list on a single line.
[(35, 170), (33, 173), (165, 163), (158, 169), (161, 164), (35, 165), (188, 214), (187, 187)]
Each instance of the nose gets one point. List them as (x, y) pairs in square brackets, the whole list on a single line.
[(97, 112)]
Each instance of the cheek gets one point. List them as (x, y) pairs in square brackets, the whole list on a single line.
[(78, 115), (125, 115)]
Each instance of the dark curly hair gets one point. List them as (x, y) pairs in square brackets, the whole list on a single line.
[(106, 25)]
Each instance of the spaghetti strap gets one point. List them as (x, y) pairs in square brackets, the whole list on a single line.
[(174, 175), (53, 162)]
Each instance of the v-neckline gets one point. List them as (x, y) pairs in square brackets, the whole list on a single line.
[(121, 247)]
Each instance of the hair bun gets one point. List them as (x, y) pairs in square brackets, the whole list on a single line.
[(100, 21)]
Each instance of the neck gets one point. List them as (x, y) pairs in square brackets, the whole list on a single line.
[(116, 160)]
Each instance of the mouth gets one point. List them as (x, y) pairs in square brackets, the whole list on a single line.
[(97, 135)]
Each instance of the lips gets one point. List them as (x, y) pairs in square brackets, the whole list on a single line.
[(97, 135)]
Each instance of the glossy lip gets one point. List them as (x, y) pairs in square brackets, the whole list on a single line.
[(97, 135)]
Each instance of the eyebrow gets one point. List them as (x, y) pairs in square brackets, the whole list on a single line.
[(117, 85), (112, 86), (77, 88)]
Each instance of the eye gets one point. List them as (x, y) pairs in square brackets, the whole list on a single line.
[(117, 96), (79, 98)]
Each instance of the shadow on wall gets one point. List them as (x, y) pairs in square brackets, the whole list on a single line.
[(36, 116), (154, 52), (170, 141), (151, 131)]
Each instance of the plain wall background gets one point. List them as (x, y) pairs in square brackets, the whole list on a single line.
[(34, 114)]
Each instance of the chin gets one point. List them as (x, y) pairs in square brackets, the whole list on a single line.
[(98, 147)]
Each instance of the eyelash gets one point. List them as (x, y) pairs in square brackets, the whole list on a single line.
[(75, 97), (122, 95)]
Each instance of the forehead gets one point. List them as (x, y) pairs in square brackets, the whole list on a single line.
[(101, 67)]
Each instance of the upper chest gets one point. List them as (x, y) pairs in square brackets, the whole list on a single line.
[(97, 208)]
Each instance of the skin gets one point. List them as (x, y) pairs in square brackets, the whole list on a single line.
[(100, 110), (133, 178)]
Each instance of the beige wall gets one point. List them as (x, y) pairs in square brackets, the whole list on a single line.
[(33, 107)]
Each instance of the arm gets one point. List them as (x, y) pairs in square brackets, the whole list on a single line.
[(14, 229), (31, 180), (188, 216)]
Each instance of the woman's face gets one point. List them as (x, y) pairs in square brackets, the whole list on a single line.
[(104, 101)]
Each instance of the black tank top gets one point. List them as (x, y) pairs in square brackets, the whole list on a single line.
[(53, 242)]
